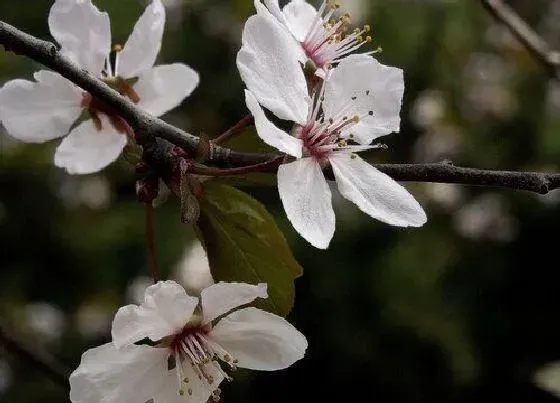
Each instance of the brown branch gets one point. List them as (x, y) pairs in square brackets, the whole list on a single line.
[(36, 358), (151, 130), (234, 130), (537, 182), (532, 41)]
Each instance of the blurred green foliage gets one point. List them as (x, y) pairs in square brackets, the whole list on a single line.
[(463, 309)]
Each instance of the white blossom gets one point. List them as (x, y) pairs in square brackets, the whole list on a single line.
[(51, 106), (359, 101), (193, 341), (321, 38)]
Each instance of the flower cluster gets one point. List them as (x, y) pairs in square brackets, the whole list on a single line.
[(358, 101), (299, 65)]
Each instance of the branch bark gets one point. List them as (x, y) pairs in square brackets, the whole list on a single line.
[(37, 359), (149, 128), (532, 41)]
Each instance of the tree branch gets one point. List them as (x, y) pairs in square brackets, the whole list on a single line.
[(34, 357), (148, 128), (532, 41), (537, 182)]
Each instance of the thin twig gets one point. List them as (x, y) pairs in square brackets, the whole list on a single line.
[(36, 358), (532, 41), (148, 128), (150, 241), (537, 182), (234, 130)]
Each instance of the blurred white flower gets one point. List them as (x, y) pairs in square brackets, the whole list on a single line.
[(486, 218), (428, 109), (445, 195), (195, 338), (51, 106), (487, 83), (45, 320), (137, 288), (193, 270), (548, 378), (442, 142), (92, 191), (93, 320)]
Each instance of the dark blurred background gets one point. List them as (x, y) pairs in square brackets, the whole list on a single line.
[(464, 309)]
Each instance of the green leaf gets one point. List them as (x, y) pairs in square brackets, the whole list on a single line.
[(245, 245)]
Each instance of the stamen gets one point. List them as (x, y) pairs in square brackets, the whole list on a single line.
[(326, 41)]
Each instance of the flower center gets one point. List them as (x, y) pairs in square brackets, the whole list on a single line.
[(194, 347), (324, 134), (95, 107), (328, 41), (320, 138)]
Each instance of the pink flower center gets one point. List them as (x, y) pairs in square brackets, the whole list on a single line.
[(194, 346), (327, 40), (320, 138)]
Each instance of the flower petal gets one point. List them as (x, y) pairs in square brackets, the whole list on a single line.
[(164, 87), (300, 16), (259, 339), (220, 298), (35, 112), (272, 7), (142, 47), (374, 192), (109, 375), (86, 150), (83, 32), (166, 310), (378, 92), (269, 64), (269, 133), (306, 197)]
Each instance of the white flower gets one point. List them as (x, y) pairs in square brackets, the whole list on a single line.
[(51, 106), (359, 101), (194, 340), (321, 39)]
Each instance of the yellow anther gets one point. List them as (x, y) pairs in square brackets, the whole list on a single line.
[(367, 28), (368, 39), (117, 47)]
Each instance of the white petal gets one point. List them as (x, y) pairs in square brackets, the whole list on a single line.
[(86, 150), (300, 16), (259, 339), (35, 112), (307, 200), (83, 32), (377, 88), (269, 65), (269, 133), (374, 192), (272, 7), (109, 375), (221, 298), (164, 87), (143, 45), (166, 310)]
